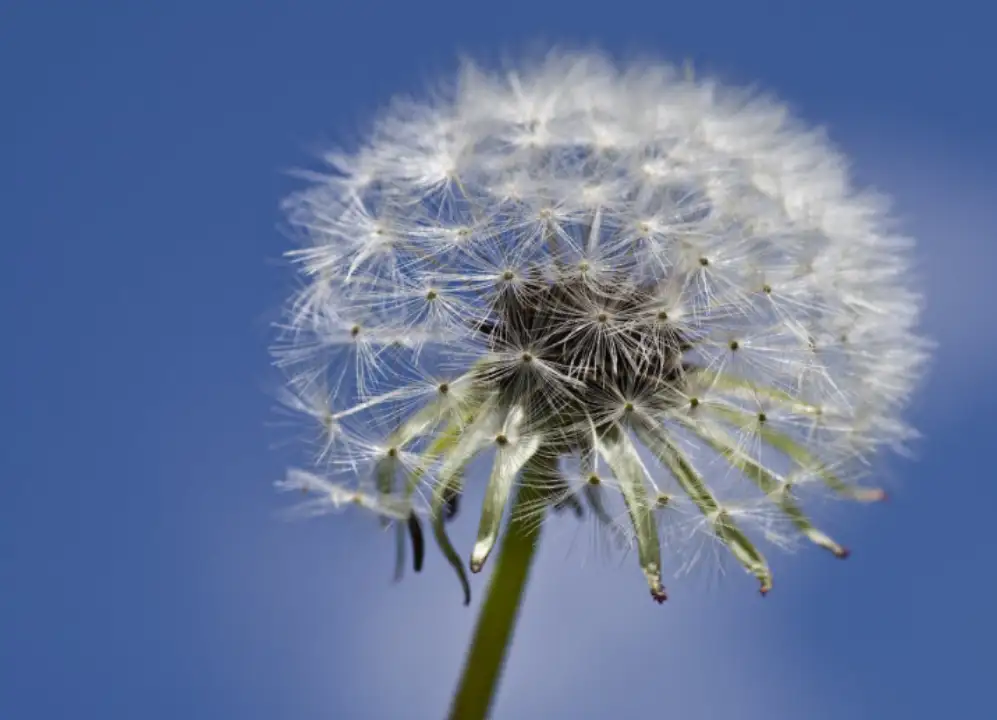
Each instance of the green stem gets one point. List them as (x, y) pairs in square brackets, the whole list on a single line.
[(493, 633)]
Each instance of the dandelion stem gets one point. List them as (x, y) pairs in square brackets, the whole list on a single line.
[(493, 632)]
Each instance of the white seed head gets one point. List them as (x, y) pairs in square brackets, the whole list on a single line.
[(622, 264)]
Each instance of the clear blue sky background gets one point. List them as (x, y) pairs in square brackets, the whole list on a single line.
[(142, 571)]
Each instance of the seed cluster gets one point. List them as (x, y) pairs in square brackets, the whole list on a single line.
[(653, 300)]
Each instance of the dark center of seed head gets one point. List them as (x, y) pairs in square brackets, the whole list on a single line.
[(444, 388), (589, 370), (594, 480), (431, 295), (501, 440), (354, 331), (508, 275)]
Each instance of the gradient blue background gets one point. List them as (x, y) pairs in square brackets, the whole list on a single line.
[(142, 571)]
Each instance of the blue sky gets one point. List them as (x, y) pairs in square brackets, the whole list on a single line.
[(142, 570)]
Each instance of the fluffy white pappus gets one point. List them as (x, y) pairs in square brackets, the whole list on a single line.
[(669, 281)]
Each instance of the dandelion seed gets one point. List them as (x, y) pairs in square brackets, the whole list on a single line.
[(580, 263)]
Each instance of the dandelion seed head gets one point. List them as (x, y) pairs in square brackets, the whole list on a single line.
[(669, 279)]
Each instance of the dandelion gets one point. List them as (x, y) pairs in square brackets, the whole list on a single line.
[(666, 284)]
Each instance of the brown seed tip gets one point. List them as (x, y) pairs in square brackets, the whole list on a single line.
[(658, 594), (842, 553), (872, 495), (476, 566)]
